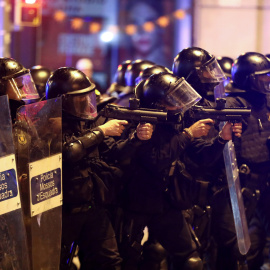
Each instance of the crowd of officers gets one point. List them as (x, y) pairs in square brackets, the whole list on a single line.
[(119, 176)]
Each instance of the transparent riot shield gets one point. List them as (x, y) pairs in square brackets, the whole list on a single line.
[(13, 248), (232, 174), (39, 146)]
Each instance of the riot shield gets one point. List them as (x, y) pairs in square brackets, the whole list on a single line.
[(236, 198), (13, 248), (38, 140)]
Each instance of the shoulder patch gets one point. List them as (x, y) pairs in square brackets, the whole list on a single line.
[(22, 139)]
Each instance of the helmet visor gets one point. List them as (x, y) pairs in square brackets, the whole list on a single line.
[(22, 88), (261, 81), (211, 72), (83, 106), (182, 97)]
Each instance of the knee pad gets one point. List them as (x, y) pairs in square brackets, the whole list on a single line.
[(193, 263)]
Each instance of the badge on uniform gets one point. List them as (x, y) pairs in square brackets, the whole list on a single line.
[(22, 139)]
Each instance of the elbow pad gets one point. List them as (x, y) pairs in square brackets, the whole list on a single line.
[(92, 138), (74, 152)]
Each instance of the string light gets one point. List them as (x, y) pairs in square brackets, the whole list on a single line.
[(130, 29), (59, 15), (179, 14), (148, 26), (76, 23), (94, 27), (163, 21)]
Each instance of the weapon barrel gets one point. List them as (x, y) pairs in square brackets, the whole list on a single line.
[(143, 115), (226, 114)]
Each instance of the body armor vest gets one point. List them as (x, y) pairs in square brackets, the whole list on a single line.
[(254, 139)]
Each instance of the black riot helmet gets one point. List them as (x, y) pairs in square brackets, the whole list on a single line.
[(199, 68), (119, 83), (147, 72), (133, 71), (16, 81), (251, 71), (40, 75), (77, 91), (167, 92), (226, 63)]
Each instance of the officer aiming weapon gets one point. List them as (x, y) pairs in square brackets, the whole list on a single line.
[(236, 198)]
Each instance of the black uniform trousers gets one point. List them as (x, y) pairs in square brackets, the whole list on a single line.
[(168, 228), (93, 232)]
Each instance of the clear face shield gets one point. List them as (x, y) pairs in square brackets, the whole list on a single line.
[(22, 88), (211, 72), (83, 105), (260, 81), (182, 97)]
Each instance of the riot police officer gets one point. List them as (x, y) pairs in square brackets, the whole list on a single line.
[(231, 89), (225, 63), (154, 256), (125, 80), (40, 75), (251, 74), (88, 182), (119, 83), (148, 201), (15, 82), (212, 206)]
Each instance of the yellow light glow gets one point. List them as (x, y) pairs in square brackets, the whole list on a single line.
[(59, 15), (77, 23), (179, 14), (131, 29), (94, 27), (163, 21), (148, 26)]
